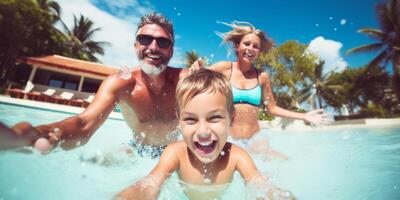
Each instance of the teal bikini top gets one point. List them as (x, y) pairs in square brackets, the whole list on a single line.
[(251, 96)]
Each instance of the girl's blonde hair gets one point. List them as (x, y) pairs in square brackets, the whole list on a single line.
[(200, 81), (240, 29)]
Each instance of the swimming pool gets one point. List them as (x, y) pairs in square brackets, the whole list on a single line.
[(359, 163)]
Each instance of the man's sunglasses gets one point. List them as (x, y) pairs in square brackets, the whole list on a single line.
[(146, 40)]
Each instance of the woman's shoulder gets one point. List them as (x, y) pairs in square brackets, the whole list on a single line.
[(263, 77)]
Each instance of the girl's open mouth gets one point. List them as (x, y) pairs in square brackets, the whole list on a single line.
[(206, 147)]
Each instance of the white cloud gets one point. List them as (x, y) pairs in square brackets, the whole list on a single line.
[(118, 26), (328, 51)]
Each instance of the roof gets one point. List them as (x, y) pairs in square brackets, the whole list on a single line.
[(72, 64)]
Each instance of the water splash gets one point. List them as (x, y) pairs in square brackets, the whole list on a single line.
[(207, 180), (260, 187), (125, 73)]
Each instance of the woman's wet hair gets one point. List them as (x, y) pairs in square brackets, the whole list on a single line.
[(240, 29), (200, 81)]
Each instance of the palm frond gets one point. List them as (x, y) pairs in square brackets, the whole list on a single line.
[(365, 48), (373, 33), (383, 56)]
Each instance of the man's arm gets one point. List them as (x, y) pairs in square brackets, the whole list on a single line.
[(73, 131), (149, 187)]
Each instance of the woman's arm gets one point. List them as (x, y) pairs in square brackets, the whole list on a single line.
[(317, 117)]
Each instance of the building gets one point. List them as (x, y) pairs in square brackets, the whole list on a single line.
[(58, 79)]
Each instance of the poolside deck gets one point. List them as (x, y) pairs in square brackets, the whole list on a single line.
[(50, 106), (289, 124)]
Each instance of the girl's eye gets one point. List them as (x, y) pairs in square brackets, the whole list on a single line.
[(189, 120), (246, 43), (215, 118)]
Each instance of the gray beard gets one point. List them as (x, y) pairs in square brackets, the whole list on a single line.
[(151, 69)]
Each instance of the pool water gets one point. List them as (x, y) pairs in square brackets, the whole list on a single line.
[(342, 163)]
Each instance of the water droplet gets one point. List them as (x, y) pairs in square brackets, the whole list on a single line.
[(179, 14), (207, 181), (330, 18), (56, 130), (205, 170), (125, 73), (212, 55), (335, 29), (78, 143), (316, 25), (143, 135), (222, 153), (343, 22)]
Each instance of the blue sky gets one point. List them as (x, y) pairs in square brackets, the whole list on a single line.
[(332, 25)]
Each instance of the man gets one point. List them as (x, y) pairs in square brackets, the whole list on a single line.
[(146, 95)]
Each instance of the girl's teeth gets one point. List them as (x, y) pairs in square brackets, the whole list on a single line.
[(206, 143)]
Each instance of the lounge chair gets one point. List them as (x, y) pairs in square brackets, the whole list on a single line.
[(64, 98), (47, 95), (19, 93)]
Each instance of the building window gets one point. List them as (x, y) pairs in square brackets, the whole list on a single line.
[(55, 83), (57, 79)]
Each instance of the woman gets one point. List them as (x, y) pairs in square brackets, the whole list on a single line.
[(251, 88)]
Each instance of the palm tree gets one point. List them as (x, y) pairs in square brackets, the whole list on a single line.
[(51, 7), (388, 40), (320, 88), (191, 57), (80, 40)]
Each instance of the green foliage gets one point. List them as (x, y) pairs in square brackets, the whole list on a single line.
[(373, 110), (191, 57), (25, 30), (387, 40), (360, 87), (290, 67), (80, 43)]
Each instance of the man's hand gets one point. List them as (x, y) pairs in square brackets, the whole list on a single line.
[(43, 138)]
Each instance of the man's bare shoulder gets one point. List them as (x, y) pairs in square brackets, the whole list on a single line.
[(123, 78)]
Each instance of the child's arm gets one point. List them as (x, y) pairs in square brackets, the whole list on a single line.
[(252, 176), (149, 186)]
